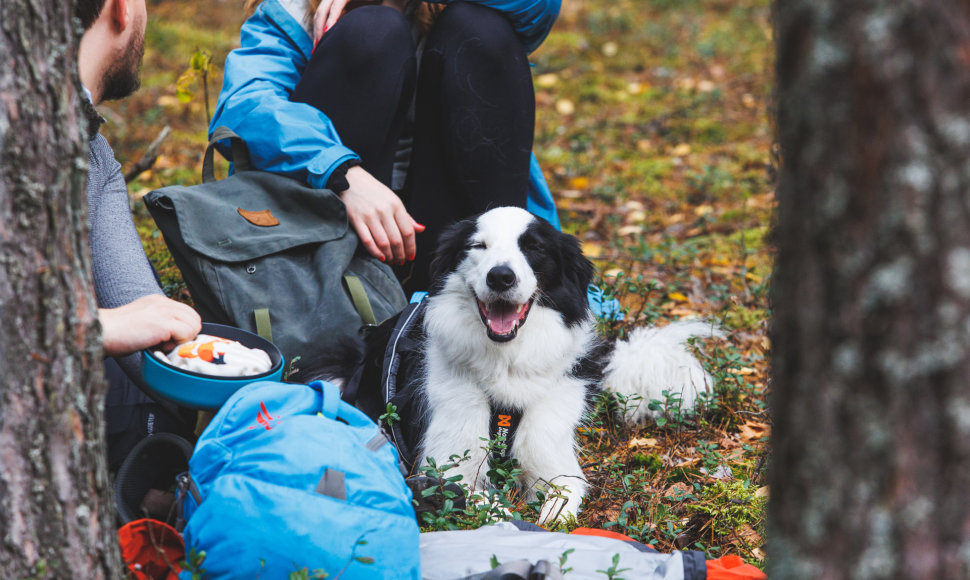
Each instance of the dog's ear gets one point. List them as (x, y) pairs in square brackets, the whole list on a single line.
[(577, 269), (450, 251)]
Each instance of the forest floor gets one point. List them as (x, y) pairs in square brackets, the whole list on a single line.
[(653, 131)]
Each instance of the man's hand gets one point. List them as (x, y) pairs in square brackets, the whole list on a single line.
[(149, 321), (386, 229)]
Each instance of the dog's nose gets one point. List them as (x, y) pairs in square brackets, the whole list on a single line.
[(500, 278)]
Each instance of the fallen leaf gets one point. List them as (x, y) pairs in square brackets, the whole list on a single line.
[(643, 442), (592, 250), (678, 297), (753, 431), (705, 86), (677, 490), (637, 216), (761, 491), (565, 107), (570, 193), (610, 49), (547, 80), (742, 371), (703, 210), (579, 182), (681, 150), (612, 273), (169, 101), (685, 83), (631, 230)]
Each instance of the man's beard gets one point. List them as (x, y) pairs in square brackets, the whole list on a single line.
[(121, 78)]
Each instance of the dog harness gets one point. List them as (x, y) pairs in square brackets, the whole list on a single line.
[(400, 381), (504, 423)]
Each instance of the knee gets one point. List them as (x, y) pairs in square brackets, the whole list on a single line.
[(370, 35), (493, 35)]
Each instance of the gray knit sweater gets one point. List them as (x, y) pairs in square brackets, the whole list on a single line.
[(122, 272)]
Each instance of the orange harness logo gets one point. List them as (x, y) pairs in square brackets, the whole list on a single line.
[(505, 420)]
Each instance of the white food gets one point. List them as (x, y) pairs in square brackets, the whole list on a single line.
[(211, 355)]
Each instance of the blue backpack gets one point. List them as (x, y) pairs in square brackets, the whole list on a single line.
[(289, 478)]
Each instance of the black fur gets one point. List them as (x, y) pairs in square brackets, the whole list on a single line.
[(562, 270), (451, 250)]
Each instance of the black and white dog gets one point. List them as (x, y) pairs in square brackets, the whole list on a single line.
[(506, 339)]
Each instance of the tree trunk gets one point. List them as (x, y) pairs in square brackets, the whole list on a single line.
[(871, 332), (55, 517)]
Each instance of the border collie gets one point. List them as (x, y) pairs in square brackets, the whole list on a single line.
[(506, 338)]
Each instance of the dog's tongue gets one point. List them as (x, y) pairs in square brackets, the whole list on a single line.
[(502, 317)]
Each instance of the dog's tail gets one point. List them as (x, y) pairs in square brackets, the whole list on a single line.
[(654, 361)]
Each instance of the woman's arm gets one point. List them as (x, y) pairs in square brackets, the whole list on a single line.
[(297, 138), (283, 137)]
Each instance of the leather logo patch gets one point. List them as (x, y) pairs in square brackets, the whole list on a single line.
[(264, 218)]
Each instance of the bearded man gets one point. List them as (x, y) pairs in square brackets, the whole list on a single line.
[(133, 312)]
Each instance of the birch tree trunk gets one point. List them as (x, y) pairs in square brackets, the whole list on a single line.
[(55, 518), (871, 333)]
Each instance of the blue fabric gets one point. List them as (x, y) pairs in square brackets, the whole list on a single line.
[(257, 468), (297, 139), (608, 309)]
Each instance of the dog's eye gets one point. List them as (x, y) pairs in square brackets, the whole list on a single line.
[(476, 246)]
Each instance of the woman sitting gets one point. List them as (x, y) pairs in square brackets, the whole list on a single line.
[(413, 113)]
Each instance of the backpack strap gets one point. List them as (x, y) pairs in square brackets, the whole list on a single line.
[(361, 302), (330, 400), (264, 327), (240, 153)]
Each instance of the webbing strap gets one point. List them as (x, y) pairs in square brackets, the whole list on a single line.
[(376, 442), (504, 423), (332, 484), (240, 153), (359, 296), (264, 327), (331, 399)]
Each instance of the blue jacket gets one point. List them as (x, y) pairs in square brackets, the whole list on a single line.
[(299, 140)]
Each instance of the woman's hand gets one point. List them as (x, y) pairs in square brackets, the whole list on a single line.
[(329, 11), (386, 229), (149, 321), (326, 16)]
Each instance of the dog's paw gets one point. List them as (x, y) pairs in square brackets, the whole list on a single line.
[(555, 510)]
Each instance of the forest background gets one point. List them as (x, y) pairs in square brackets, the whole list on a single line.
[(653, 129)]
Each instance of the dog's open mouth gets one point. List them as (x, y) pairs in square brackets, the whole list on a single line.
[(502, 319)]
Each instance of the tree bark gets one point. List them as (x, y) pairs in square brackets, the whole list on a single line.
[(871, 331), (55, 517)]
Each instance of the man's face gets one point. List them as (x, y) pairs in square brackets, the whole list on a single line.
[(121, 78)]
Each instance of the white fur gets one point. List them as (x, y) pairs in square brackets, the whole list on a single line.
[(655, 360), (532, 372)]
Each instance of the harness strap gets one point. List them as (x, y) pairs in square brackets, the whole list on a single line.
[(504, 423)]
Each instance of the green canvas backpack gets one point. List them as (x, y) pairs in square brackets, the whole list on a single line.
[(269, 254)]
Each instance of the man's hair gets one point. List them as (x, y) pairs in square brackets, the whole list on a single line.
[(88, 11)]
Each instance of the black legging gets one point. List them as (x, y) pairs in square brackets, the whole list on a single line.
[(474, 115)]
